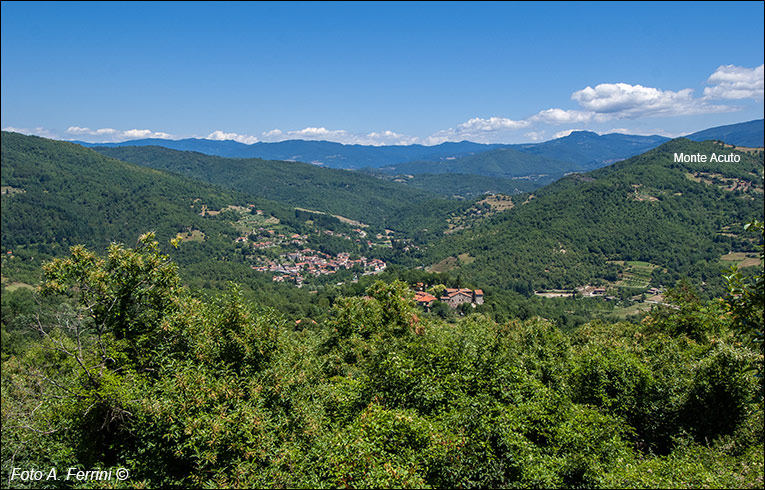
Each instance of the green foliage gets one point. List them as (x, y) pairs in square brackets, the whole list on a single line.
[(127, 368), (689, 466), (686, 314), (721, 390), (127, 295), (74, 195), (745, 302), (501, 162)]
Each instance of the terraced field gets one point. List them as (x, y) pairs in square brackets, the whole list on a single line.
[(636, 274), (740, 259)]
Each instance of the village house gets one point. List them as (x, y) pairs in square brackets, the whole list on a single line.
[(424, 299), (592, 291), (454, 297)]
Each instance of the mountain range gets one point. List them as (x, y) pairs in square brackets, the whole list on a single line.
[(326, 153), (582, 148), (666, 219), (133, 357)]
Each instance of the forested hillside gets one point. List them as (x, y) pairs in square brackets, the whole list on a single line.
[(543, 162), (678, 217), (58, 194), (502, 162), (352, 195), (530, 166), (462, 186)]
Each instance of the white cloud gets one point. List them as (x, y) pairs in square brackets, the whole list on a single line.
[(42, 132), (477, 129), (389, 138), (144, 133), (317, 133), (492, 124), (562, 116), (535, 135), (564, 133), (625, 101), (241, 138), (88, 131), (309, 133), (736, 82), (377, 138), (111, 135)]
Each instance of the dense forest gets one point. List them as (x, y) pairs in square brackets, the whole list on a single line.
[(502, 162), (462, 186), (127, 372)]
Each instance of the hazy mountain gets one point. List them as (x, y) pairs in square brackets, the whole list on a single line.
[(592, 150), (583, 148), (329, 154), (541, 163), (749, 134)]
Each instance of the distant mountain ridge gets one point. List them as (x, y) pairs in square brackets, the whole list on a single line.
[(591, 150), (749, 134), (541, 163), (327, 153), (581, 149), (502, 162)]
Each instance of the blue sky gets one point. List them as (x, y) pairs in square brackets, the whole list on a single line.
[(378, 73)]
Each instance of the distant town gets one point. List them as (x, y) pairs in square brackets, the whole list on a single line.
[(294, 266)]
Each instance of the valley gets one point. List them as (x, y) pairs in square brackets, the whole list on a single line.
[(394, 245), (338, 297), (621, 228)]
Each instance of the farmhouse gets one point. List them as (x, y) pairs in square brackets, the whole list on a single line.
[(457, 296)]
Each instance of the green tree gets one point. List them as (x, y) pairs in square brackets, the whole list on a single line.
[(745, 301)]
